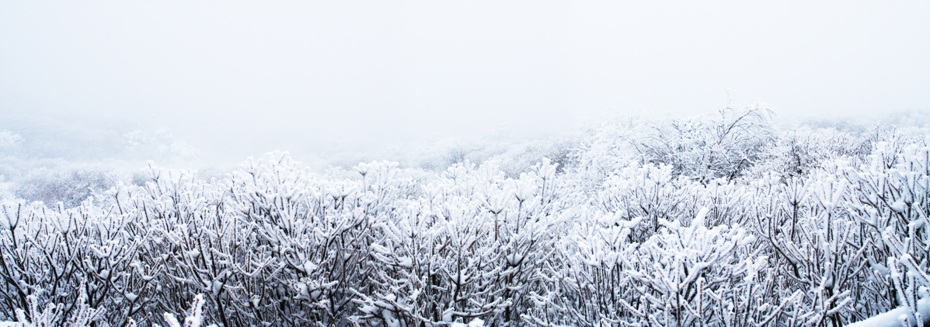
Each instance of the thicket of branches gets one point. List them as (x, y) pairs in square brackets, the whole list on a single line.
[(707, 222)]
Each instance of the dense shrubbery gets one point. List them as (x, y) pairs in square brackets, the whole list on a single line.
[(720, 222)]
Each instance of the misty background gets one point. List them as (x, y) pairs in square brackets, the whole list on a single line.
[(581, 162), (209, 83)]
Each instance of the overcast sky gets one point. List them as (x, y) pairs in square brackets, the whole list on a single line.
[(238, 78)]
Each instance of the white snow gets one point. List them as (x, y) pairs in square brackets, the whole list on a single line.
[(894, 318), (474, 323)]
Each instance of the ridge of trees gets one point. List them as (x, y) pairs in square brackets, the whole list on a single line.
[(722, 221)]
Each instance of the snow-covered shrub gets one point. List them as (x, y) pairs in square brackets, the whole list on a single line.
[(685, 276), (702, 149), (650, 192), (681, 275), (470, 246), (801, 151), (54, 315), (891, 210), (55, 256), (816, 247)]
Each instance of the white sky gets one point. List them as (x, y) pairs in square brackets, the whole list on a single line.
[(238, 78)]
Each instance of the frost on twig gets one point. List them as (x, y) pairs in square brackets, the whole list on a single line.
[(193, 320)]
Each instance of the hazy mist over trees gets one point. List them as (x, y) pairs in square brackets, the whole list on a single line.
[(464, 164)]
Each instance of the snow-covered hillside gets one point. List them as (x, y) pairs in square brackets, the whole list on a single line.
[(718, 221)]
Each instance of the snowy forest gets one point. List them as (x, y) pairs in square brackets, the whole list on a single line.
[(727, 219)]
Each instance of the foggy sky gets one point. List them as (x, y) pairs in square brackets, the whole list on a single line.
[(237, 78)]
